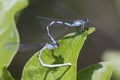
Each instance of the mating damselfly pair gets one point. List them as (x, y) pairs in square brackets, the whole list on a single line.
[(53, 44)]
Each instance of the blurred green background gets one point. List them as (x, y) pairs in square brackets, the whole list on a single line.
[(103, 15)]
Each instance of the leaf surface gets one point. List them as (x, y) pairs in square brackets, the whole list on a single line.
[(8, 31), (101, 71), (67, 52)]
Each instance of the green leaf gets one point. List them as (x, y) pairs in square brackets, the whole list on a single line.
[(6, 74), (101, 71), (114, 57), (68, 51), (8, 31)]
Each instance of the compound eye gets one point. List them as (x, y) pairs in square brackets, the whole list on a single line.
[(57, 44), (86, 20), (52, 45)]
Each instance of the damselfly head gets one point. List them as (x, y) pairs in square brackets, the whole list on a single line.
[(55, 44), (85, 20), (50, 46)]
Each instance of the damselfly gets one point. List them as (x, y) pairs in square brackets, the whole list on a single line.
[(41, 46), (68, 23), (50, 22)]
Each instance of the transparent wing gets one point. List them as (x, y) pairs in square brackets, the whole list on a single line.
[(44, 21), (56, 30), (25, 47)]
